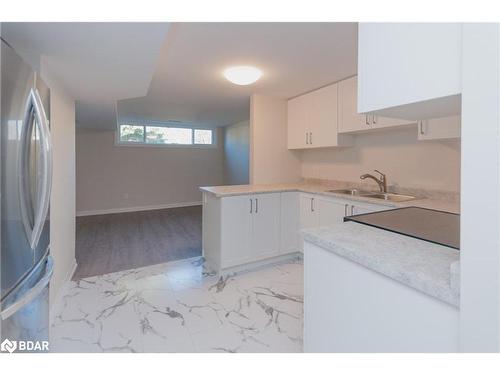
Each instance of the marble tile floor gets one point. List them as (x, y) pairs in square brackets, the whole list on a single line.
[(181, 307)]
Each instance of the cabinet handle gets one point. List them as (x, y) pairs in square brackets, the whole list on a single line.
[(256, 205), (312, 204), (421, 126), (310, 138), (352, 210), (251, 205), (374, 119), (367, 121)]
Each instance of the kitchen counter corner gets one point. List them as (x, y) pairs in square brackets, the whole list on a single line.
[(424, 266)]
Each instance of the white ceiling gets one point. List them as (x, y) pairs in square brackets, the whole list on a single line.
[(188, 84), (163, 71), (98, 63)]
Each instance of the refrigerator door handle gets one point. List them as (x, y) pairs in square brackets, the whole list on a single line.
[(34, 112), (31, 294), (47, 170)]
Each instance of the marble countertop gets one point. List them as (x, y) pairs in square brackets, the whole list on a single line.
[(432, 202), (430, 268)]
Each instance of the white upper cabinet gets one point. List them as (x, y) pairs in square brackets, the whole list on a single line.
[(439, 128), (313, 120), (324, 117), (350, 121), (409, 70), (297, 130), (349, 118)]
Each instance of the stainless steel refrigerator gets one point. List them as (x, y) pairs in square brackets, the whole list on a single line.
[(26, 173)]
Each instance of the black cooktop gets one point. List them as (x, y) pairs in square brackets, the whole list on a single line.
[(434, 226)]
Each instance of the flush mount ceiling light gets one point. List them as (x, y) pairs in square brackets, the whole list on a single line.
[(242, 75)]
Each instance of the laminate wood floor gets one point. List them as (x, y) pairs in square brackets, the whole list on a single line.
[(117, 242)]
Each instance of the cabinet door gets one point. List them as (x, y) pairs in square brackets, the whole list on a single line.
[(323, 117), (236, 230), (309, 217), (266, 225), (358, 209), (439, 128), (405, 64), (297, 123), (290, 222), (349, 118), (350, 308), (331, 212), (378, 122)]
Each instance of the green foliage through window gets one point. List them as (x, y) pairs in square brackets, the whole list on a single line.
[(131, 133)]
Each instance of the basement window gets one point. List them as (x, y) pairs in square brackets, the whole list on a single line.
[(133, 134)]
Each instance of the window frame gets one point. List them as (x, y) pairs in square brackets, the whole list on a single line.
[(119, 142)]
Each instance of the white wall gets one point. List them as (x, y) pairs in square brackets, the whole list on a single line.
[(236, 153), (396, 152), (115, 178), (270, 160), (406, 161), (62, 209), (480, 200)]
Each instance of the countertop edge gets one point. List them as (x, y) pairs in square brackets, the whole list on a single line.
[(419, 202), (311, 191), (447, 295)]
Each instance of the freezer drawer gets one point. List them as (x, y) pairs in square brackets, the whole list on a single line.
[(24, 313)]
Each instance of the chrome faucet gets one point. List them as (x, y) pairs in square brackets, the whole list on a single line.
[(382, 181)]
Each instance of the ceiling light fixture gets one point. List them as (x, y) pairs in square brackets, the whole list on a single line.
[(242, 75)]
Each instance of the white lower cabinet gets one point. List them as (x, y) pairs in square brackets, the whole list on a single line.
[(290, 222), (308, 213), (364, 208), (350, 308), (236, 230), (266, 225), (318, 210), (331, 212), (250, 228)]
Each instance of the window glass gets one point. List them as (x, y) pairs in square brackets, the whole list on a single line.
[(202, 137), (156, 134), (162, 135), (131, 133)]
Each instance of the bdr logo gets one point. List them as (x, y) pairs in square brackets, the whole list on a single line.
[(8, 346), (23, 346)]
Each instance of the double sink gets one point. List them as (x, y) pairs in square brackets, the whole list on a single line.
[(393, 197)]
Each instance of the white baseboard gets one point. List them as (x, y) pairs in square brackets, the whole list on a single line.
[(54, 306), (140, 208), (255, 265)]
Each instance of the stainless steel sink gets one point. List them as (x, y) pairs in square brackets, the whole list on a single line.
[(391, 197), (351, 192)]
